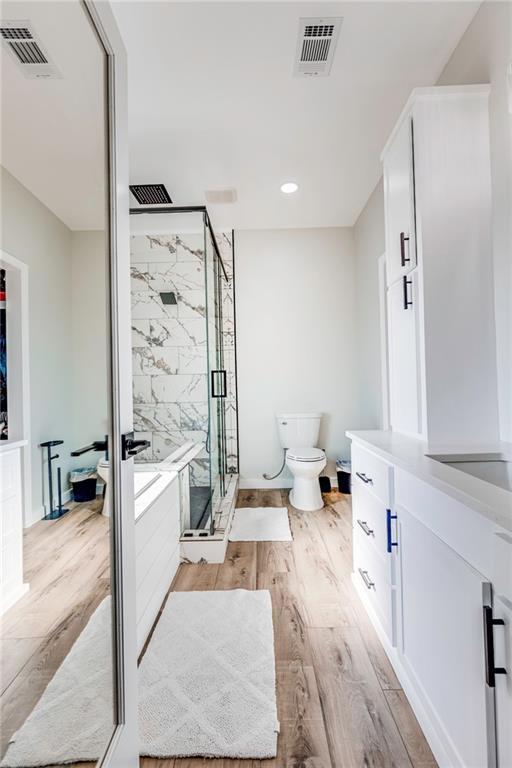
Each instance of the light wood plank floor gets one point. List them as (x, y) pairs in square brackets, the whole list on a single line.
[(340, 704), (67, 564)]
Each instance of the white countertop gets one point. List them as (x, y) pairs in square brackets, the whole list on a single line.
[(409, 454)]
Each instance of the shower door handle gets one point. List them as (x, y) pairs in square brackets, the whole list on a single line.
[(223, 391), (131, 447)]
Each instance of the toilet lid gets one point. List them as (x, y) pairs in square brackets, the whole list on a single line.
[(305, 454)]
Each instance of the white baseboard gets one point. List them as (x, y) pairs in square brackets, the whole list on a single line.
[(248, 483)]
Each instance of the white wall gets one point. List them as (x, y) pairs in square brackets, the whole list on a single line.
[(296, 350), (89, 345), (67, 331), (369, 245), (481, 56), (35, 236)]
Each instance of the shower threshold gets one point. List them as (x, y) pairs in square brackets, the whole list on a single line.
[(200, 506), (203, 545)]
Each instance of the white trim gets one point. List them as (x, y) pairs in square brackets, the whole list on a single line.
[(384, 355), (434, 92), (21, 383), (123, 750)]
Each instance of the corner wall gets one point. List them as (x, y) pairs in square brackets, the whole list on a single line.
[(296, 345)]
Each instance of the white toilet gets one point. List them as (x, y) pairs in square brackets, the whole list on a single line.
[(103, 470), (299, 433)]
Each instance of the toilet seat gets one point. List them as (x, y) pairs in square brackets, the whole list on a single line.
[(305, 454)]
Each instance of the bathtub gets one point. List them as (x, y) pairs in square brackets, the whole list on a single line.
[(157, 541)]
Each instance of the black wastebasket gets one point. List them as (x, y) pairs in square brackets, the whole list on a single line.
[(343, 472), (84, 484)]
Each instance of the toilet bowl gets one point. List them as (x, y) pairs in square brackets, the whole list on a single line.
[(306, 465), (103, 471), (299, 433)]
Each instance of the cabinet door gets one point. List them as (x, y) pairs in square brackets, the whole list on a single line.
[(404, 380), (502, 609), (399, 204), (442, 644)]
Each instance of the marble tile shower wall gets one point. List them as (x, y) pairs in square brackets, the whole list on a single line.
[(169, 347)]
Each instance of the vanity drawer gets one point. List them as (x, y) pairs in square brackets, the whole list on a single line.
[(371, 472), (369, 516), (371, 576)]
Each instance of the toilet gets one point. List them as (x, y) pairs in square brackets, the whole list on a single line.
[(298, 433), (103, 471)]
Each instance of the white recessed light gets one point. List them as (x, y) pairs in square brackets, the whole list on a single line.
[(288, 187)]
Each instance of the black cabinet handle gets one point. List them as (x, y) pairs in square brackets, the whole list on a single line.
[(364, 478), (403, 258), (406, 283), (223, 392), (490, 670), (364, 525), (131, 447), (367, 581)]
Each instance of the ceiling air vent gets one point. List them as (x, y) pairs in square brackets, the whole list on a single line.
[(316, 45), (27, 50), (150, 194)]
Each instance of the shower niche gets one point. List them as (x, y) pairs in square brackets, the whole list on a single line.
[(184, 359)]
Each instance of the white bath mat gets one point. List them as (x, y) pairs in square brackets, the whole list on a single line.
[(260, 524), (207, 681), (72, 720), (206, 686)]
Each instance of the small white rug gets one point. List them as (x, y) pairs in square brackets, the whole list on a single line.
[(260, 524), (206, 686), (207, 681), (72, 721)]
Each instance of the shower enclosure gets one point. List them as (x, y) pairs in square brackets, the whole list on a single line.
[(183, 349)]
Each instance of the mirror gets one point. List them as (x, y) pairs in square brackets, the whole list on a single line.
[(56, 568)]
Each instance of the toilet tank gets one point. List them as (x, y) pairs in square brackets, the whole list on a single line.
[(299, 429)]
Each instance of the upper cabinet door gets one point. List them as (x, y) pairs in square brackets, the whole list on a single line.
[(404, 377), (399, 204)]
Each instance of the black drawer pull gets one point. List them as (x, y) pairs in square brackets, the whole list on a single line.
[(364, 525), (367, 581), (405, 284), (364, 478), (490, 670), (403, 239)]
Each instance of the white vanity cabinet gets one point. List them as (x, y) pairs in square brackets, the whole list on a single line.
[(442, 642), (374, 533), (398, 174), (439, 267), (436, 572)]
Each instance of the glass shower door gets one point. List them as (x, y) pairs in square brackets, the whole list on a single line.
[(217, 383)]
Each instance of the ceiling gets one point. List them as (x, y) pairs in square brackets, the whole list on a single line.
[(213, 102), (53, 131)]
